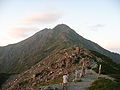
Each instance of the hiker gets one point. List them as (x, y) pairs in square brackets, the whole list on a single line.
[(83, 69), (63, 62), (84, 65), (77, 50), (65, 81), (76, 75)]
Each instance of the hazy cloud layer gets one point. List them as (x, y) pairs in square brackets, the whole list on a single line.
[(20, 32), (43, 18), (30, 21)]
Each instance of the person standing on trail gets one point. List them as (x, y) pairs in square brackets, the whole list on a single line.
[(84, 64), (83, 69), (65, 81), (82, 72), (77, 72)]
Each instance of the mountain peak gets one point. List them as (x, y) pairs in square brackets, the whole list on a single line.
[(62, 26), (41, 45)]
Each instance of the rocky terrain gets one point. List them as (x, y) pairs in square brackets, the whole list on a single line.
[(51, 68)]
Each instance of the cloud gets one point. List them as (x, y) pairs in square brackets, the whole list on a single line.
[(20, 32), (43, 18), (28, 25), (97, 27)]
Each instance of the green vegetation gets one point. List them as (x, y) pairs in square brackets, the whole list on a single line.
[(116, 76), (76, 61), (108, 66), (50, 88), (56, 81), (78, 80), (3, 78), (56, 88), (104, 84)]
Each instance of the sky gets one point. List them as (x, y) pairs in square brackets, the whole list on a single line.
[(96, 20)]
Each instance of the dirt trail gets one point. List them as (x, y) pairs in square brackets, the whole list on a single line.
[(86, 81), (90, 77)]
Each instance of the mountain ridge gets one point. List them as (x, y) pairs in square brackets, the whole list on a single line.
[(56, 64), (21, 56)]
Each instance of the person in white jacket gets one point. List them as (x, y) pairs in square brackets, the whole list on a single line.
[(65, 81)]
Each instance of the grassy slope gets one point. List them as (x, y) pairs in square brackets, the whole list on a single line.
[(104, 84), (3, 78), (110, 68)]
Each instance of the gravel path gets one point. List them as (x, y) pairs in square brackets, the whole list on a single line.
[(90, 77), (86, 81)]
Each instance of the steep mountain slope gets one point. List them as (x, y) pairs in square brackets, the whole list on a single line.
[(51, 69), (21, 56)]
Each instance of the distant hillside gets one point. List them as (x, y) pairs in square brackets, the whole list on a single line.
[(21, 56)]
